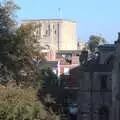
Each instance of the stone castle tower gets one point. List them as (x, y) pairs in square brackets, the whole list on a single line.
[(56, 34)]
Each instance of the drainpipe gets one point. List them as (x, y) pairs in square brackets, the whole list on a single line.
[(91, 95)]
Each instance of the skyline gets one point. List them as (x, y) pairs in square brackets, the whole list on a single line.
[(92, 17)]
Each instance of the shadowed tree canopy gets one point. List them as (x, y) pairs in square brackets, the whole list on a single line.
[(95, 41), (7, 24), (7, 18), (17, 64), (15, 56), (28, 39)]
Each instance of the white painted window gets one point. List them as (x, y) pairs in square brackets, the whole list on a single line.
[(66, 71), (54, 70)]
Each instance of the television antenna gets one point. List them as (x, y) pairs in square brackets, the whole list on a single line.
[(59, 13)]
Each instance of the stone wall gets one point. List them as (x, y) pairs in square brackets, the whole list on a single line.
[(91, 97), (56, 34)]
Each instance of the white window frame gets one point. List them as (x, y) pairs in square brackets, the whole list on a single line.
[(66, 71)]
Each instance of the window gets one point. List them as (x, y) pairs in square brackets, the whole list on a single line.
[(54, 70), (103, 82), (53, 27), (55, 32), (48, 27), (119, 67), (66, 71), (40, 27), (104, 113), (48, 30), (110, 60), (68, 59)]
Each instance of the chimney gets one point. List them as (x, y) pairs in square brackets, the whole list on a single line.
[(118, 40), (119, 37)]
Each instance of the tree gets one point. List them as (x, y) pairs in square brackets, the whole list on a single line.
[(16, 64), (48, 85), (51, 93), (95, 41), (15, 57), (7, 18), (26, 48), (7, 33), (28, 39), (7, 25), (16, 48), (83, 57), (22, 104)]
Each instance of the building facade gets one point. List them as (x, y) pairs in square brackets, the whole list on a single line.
[(81, 45), (116, 82), (95, 94), (68, 62), (55, 34), (96, 86)]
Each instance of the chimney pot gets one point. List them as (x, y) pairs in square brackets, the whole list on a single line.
[(119, 36)]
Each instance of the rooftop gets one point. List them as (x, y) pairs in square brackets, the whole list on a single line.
[(61, 20), (48, 63), (69, 51), (110, 47), (96, 68)]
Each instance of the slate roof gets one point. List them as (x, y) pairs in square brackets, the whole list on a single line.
[(107, 47), (96, 68)]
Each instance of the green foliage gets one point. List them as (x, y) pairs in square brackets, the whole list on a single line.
[(21, 104), (16, 52), (15, 55), (7, 18), (7, 25), (83, 57), (28, 39), (7, 36), (95, 41), (51, 93), (49, 82)]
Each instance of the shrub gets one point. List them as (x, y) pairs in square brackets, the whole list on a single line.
[(21, 104)]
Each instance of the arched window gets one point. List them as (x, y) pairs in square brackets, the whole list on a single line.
[(104, 113), (110, 60)]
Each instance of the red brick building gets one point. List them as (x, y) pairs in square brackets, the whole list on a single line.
[(67, 68)]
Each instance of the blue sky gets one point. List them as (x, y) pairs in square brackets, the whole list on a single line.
[(100, 17)]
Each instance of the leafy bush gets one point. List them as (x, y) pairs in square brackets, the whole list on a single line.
[(22, 104)]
